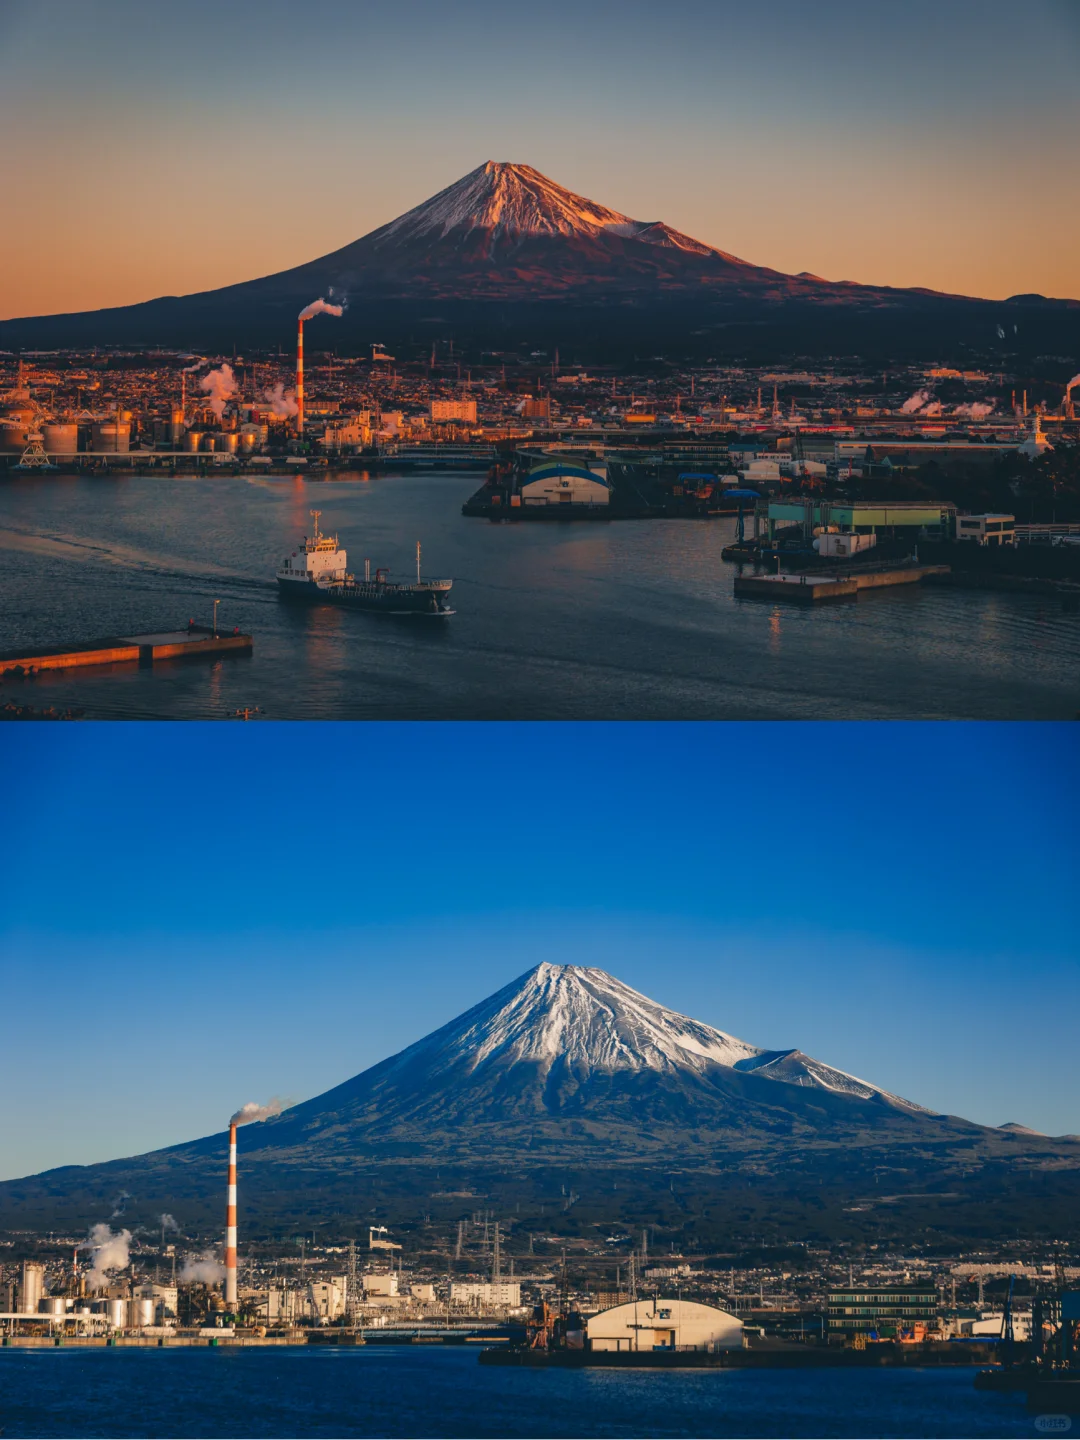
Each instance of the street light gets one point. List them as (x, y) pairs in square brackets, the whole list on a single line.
[(216, 604)]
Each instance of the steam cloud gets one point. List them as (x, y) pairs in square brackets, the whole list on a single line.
[(220, 385), (204, 1269), (168, 1224), (251, 1112), (917, 401), (282, 402), (109, 1252), (976, 410), (320, 307), (1074, 381)]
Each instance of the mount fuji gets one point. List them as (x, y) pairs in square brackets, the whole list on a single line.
[(565, 1072), (506, 255)]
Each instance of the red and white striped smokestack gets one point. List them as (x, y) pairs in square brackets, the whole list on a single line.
[(230, 1225), (300, 378)]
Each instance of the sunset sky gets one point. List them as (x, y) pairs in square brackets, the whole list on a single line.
[(161, 149), (201, 951)]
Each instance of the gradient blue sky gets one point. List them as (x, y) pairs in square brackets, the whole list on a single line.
[(160, 149), (195, 916)]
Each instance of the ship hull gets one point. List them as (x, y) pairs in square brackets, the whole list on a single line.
[(375, 595)]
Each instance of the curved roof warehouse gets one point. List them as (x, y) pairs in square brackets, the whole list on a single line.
[(558, 482), (658, 1324)]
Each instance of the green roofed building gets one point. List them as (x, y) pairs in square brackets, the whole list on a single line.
[(563, 482), (882, 1310), (898, 519)]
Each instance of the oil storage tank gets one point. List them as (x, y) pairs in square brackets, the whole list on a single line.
[(13, 436), (113, 436), (60, 438), (193, 441)]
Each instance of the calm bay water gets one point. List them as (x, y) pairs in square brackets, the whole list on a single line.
[(404, 1391), (554, 621)]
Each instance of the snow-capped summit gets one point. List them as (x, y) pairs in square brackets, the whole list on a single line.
[(508, 199), (579, 1021), (506, 202), (586, 1018)]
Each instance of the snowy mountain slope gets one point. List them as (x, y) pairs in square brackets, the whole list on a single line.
[(506, 251), (565, 1072)]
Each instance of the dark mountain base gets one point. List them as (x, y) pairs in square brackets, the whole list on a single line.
[(828, 1198), (618, 332)]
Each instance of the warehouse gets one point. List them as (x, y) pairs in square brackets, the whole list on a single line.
[(657, 1324), (559, 482)]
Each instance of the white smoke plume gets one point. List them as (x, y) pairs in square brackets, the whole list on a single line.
[(976, 410), (108, 1252), (916, 403), (934, 408), (220, 385), (319, 307), (282, 402), (204, 1269), (1074, 381), (168, 1224), (251, 1112)]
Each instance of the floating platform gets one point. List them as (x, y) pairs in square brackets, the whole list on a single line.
[(805, 589), (193, 642)]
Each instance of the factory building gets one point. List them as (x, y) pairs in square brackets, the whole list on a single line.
[(498, 1292), (657, 1324), (463, 411), (385, 1285), (558, 482), (885, 1311)]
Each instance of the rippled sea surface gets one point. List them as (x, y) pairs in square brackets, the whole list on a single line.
[(435, 1391), (633, 619)]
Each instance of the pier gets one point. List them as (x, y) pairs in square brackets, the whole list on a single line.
[(805, 589), (193, 642)]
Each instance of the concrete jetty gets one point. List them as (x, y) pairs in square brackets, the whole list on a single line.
[(194, 641)]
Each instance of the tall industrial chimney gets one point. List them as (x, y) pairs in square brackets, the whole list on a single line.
[(230, 1224), (300, 378)]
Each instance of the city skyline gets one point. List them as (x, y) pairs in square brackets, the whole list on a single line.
[(262, 143), (194, 940)]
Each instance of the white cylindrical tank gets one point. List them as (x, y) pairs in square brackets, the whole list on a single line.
[(249, 438), (31, 1287), (208, 442), (140, 1314), (226, 442), (192, 441), (111, 435), (61, 438), (116, 1312), (176, 427), (52, 1305)]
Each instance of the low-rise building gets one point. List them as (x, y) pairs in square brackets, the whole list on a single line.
[(988, 529)]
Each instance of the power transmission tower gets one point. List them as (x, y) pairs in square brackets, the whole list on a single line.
[(352, 1296)]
